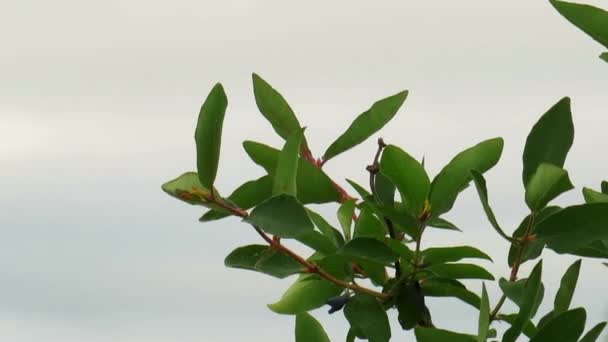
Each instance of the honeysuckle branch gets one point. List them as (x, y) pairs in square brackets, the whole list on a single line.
[(310, 266), (516, 264)]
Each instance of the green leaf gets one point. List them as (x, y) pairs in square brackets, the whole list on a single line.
[(307, 293), (482, 191), (368, 225), (287, 166), (439, 335), (408, 175), (565, 327), (263, 259), (345, 217), (401, 219), (208, 135), (351, 336), (548, 182), (308, 329), (566, 288), (484, 316), (438, 222), (605, 187), (604, 56), (596, 249), (281, 215), (358, 188), (533, 248), (399, 248), (574, 227), (365, 314), (593, 334), (245, 196), (439, 255), (274, 108), (592, 196), (313, 185), (317, 242), (366, 124), (385, 190), (459, 271), (589, 19), (188, 188), (449, 288), (530, 297), (515, 291), (550, 139), (370, 250), (456, 175), (529, 328), (411, 307), (331, 233)]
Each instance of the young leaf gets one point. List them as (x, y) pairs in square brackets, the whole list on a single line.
[(550, 139), (345, 217), (530, 297), (574, 227), (589, 19), (408, 175), (307, 293), (566, 288), (308, 329), (593, 334), (313, 185), (548, 182), (287, 166), (274, 108), (455, 176), (484, 316), (439, 335), (208, 135), (438, 255), (245, 196), (480, 185), (281, 215), (565, 327), (592, 196), (366, 124), (369, 250), (459, 271), (187, 188), (364, 313)]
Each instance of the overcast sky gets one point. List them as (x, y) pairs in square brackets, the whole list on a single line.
[(98, 103)]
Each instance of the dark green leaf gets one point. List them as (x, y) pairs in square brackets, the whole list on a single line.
[(245, 257), (308, 329), (408, 175), (411, 307), (565, 327), (274, 108), (351, 336), (550, 139), (287, 166), (358, 188), (593, 334), (278, 264), (439, 255), (208, 135), (281, 215), (589, 19), (566, 288), (365, 314), (345, 217), (480, 185), (459, 271), (370, 250), (318, 242), (533, 248), (188, 188), (307, 293), (385, 190), (515, 291), (331, 233), (438, 222), (449, 288), (313, 185), (439, 335), (548, 182), (530, 296), (456, 175), (592, 196), (366, 124), (604, 56), (529, 328), (402, 220), (401, 249), (245, 196), (596, 249), (574, 227), (368, 225), (605, 187), (484, 316)]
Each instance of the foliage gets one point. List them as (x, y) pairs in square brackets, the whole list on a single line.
[(381, 228)]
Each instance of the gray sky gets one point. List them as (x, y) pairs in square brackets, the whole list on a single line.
[(98, 102)]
